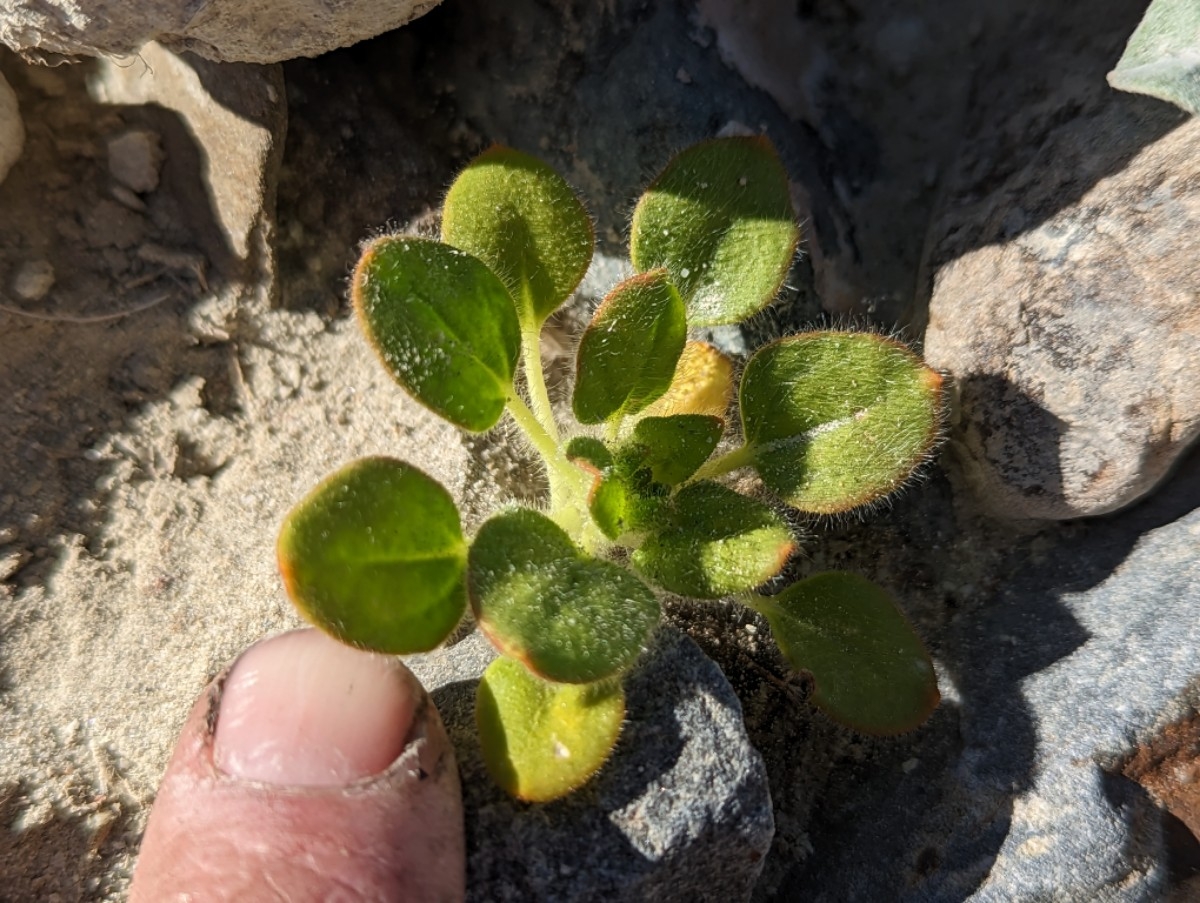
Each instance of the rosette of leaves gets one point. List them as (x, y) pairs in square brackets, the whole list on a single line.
[(830, 421)]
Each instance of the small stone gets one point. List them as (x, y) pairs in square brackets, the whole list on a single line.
[(683, 76), (33, 280), (123, 195), (12, 131), (135, 159)]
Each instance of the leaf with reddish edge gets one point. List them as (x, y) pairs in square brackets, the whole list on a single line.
[(375, 556), (519, 217), (443, 325), (541, 600), (720, 219), (835, 420), (628, 353)]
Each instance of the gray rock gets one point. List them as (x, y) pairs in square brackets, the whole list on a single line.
[(135, 159), (12, 131), (262, 31), (681, 812), (1016, 793), (1074, 337), (236, 114)]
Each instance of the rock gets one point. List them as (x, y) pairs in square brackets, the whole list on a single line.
[(135, 159), (236, 114), (1081, 657), (264, 31), (1071, 328), (681, 812), (33, 280), (12, 131)]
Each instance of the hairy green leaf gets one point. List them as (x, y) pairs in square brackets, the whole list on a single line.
[(542, 740), (871, 670), (672, 448), (628, 353), (375, 556), (715, 542), (720, 219), (443, 325), (518, 216), (612, 505), (834, 420), (1162, 58), (567, 617), (589, 453)]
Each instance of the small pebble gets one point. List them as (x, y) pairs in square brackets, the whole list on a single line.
[(33, 280), (135, 159)]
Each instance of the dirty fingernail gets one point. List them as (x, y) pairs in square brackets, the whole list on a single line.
[(305, 710)]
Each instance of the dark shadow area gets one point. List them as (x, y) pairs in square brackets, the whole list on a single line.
[(106, 332), (1018, 438), (390, 121), (931, 830), (1041, 127)]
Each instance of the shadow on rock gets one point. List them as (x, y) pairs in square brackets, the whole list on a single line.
[(681, 811)]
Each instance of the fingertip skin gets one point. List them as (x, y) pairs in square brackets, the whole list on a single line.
[(394, 836)]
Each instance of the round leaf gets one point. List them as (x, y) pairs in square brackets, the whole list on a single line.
[(703, 384), (542, 740), (871, 670), (589, 453), (375, 556), (518, 216), (628, 353), (716, 542), (611, 505), (720, 219), (569, 618), (443, 325), (834, 420)]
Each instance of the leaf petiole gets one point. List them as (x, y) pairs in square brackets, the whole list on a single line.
[(743, 456), (535, 380)]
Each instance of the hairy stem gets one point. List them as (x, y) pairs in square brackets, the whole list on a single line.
[(535, 380), (743, 456)]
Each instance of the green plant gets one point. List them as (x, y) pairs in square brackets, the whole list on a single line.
[(830, 421)]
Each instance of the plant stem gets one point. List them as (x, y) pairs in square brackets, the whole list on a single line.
[(612, 430), (568, 484), (743, 456), (543, 441), (535, 380)]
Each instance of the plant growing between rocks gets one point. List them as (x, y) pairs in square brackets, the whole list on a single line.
[(830, 421)]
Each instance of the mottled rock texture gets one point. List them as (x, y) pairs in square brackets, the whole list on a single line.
[(1073, 331), (681, 812), (259, 31)]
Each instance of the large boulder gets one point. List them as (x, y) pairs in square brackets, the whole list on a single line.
[(259, 31), (1071, 329)]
